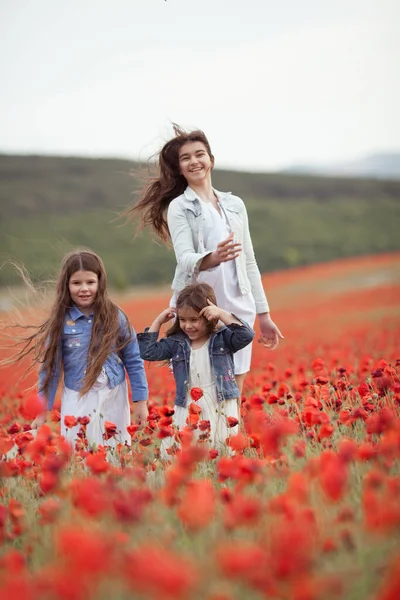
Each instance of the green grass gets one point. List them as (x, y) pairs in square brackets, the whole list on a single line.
[(49, 206)]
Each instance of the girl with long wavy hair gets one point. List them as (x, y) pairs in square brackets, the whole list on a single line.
[(89, 341), (210, 234)]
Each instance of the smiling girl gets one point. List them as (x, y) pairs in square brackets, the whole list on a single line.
[(89, 341), (201, 352)]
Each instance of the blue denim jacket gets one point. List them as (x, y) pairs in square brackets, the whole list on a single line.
[(223, 344), (74, 346)]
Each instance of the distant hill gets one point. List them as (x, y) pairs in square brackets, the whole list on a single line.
[(380, 166), (49, 205)]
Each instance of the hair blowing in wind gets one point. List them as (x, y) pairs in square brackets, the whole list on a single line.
[(169, 184)]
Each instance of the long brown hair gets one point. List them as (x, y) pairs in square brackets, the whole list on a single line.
[(169, 184), (194, 296), (43, 346)]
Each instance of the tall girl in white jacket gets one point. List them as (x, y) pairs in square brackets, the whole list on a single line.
[(210, 234)]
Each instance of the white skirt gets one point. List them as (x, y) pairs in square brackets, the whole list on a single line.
[(100, 404)]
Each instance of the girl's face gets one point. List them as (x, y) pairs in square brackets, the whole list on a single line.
[(195, 163), (192, 324), (83, 286)]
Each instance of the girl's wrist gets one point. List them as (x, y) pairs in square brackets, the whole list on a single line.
[(155, 326), (265, 315)]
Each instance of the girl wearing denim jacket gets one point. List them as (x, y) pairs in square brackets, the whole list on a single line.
[(202, 359), (89, 341), (210, 234)]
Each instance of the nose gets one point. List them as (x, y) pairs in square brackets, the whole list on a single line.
[(84, 286)]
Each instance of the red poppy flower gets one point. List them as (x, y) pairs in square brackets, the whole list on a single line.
[(110, 430), (132, 429), (232, 422), (70, 421), (196, 393)]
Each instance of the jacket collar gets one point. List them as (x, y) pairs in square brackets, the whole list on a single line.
[(191, 195), (75, 313)]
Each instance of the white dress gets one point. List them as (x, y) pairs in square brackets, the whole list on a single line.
[(215, 412), (223, 279), (100, 404)]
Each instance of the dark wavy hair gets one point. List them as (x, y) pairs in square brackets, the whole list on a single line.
[(194, 296), (169, 184)]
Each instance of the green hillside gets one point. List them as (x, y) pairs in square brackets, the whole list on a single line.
[(49, 205)]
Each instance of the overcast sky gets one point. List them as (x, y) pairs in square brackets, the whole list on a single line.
[(271, 82)]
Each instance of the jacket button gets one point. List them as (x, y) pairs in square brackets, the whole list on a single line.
[(74, 330), (221, 349), (90, 320)]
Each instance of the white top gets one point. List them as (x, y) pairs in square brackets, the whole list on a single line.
[(200, 374), (223, 279)]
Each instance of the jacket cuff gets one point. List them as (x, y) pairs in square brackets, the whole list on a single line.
[(146, 334), (235, 325), (196, 269), (262, 307)]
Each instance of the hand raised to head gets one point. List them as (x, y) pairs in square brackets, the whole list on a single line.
[(210, 312)]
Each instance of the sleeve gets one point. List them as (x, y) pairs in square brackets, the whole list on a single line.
[(237, 336), (134, 365), (252, 269), (153, 350), (48, 399), (182, 239)]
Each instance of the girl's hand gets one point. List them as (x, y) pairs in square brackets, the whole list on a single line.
[(211, 311), (141, 412), (39, 421), (226, 250), (269, 332), (164, 317)]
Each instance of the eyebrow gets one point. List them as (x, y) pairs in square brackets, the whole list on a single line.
[(186, 154)]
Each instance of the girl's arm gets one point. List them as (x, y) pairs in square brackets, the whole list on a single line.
[(48, 399), (150, 348), (269, 331), (182, 239), (252, 269), (237, 333)]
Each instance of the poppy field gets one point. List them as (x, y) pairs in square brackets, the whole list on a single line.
[(303, 504)]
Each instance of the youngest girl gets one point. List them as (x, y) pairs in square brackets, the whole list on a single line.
[(202, 357), (89, 341)]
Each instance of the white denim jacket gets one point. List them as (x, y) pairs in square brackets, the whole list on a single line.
[(185, 223)]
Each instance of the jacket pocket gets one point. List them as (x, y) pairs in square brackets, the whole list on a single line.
[(220, 349), (73, 335), (76, 329)]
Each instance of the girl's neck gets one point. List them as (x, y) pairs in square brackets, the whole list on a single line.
[(205, 191), (196, 344), (87, 311)]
